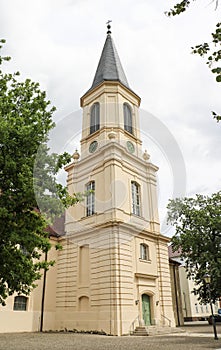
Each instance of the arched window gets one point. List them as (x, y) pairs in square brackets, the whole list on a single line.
[(128, 125), (90, 199), (144, 251), (95, 118), (135, 192), (20, 303)]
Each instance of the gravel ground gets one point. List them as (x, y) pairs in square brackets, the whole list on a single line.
[(195, 338)]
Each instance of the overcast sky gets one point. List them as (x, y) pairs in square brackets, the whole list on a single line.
[(58, 43)]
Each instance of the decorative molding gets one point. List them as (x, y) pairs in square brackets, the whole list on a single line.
[(144, 275)]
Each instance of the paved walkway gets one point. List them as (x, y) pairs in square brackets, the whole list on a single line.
[(201, 328), (195, 337)]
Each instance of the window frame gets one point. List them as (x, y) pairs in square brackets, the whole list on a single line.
[(128, 119), (196, 308), (136, 198), (95, 117), (90, 199), (20, 303), (144, 252)]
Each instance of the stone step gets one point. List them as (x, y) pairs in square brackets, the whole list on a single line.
[(155, 330), (160, 330), (141, 331)]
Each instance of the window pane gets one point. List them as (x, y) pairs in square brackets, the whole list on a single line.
[(90, 205), (128, 119), (20, 303), (144, 254), (135, 189), (95, 118)]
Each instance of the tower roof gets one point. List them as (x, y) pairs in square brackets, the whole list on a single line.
[(109, 66)]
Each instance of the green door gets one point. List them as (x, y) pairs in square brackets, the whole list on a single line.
[(146, 309)]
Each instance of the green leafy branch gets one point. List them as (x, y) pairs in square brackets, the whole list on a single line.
[(211, 50)]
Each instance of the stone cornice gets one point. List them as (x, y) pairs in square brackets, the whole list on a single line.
[(113, 156), (144, 275), (106, 87)]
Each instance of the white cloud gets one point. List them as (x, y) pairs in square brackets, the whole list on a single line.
[(58, 43)]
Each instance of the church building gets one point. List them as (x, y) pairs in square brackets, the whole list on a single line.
[(113, 271)]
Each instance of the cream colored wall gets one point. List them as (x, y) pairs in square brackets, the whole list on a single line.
[(111, 97), (113, 168), (16, 321), (109, 287), (50, 295), (192, 309), (29, 320), (166, 307), (117, 279), (176, 293), (116, 276)]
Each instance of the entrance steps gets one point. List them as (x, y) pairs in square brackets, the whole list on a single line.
[(154, 330), (141, 331)]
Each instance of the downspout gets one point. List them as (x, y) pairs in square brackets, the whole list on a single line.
[(176, 296), (43, 294), (119, 283)]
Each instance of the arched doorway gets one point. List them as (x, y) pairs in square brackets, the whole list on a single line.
[(146, 309)]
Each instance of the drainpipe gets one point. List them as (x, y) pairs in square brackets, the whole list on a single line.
[(176, 294), (43, 294)]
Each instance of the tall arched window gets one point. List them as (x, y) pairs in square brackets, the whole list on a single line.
[(95, 118), (128, 125), (135, 192), (90, 199)]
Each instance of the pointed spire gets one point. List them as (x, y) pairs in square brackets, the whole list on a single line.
[(109, 66)]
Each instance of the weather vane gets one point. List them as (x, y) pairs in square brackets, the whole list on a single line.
[(109, 26)]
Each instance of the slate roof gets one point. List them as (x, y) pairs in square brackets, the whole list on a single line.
[(109, 67), (57, 228), (173, 254)]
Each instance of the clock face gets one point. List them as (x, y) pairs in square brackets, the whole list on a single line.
[(130, 147), (93, 146)]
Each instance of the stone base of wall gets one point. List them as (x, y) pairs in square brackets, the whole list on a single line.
[(191, 319)]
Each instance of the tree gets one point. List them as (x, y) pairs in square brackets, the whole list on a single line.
[(197, 223), (25, 121), (212, 50), (198, 220)]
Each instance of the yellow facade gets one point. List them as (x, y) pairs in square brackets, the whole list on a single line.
[(113, 271), (29, 320), (108, 284)]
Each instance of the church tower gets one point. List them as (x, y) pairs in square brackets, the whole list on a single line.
[(113, 271)]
